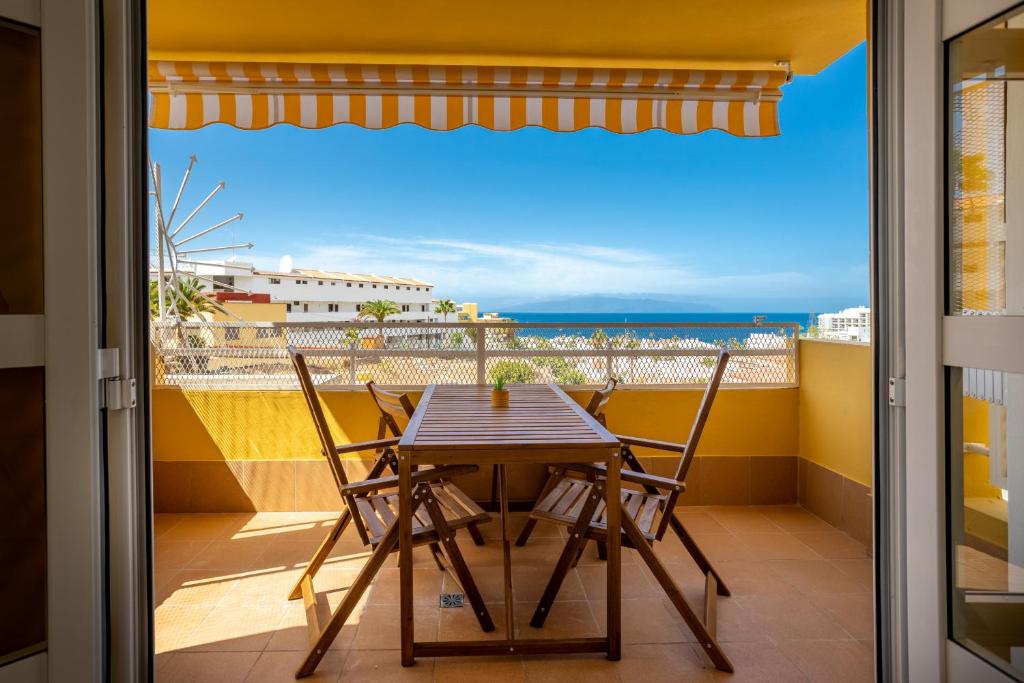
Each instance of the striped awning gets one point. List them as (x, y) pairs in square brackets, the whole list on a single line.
[(190, 95)]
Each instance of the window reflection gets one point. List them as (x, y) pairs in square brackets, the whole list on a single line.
[(987, 515)]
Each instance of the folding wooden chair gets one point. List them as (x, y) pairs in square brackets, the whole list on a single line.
[(595, 407), (394, 407), (646, 516), (374, 511)]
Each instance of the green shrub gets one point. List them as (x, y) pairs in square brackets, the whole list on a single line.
[(568, 375), (513, 372)]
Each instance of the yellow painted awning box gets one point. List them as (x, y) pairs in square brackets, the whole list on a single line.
[(656, 34)]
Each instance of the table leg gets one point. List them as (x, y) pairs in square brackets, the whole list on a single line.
[(506, 549), (405, 556), (614, 564)]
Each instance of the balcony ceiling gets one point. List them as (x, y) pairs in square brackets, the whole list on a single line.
[(721, 34)]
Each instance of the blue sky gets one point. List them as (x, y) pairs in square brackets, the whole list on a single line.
[(775, 224)]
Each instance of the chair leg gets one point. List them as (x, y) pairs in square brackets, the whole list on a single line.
[(698, 556), (462, 573), (494, 486), (475, 534), (531, 523), (355, 591), (321, 554), (577, 539), (697, 627), (602, 550)]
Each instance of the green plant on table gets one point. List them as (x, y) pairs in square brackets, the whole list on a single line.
[(499, 383)]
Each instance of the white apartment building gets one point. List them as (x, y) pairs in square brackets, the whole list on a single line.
[(849, 324), (322, 296)]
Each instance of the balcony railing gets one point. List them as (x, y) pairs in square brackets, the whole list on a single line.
[(252, 355)]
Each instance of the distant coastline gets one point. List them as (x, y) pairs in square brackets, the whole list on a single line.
[(709, 316)]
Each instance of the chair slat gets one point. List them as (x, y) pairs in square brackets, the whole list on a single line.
[(575, 489), (370, 517), (381, 505), (556, 494), (645, 520)]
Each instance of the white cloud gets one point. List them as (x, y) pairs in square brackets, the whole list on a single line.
[(468, 269)]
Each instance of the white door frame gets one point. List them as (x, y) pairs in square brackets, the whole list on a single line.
[(76, 547), (68, 341), (931, 340)]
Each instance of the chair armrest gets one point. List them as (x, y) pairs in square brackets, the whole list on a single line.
[(366, 446), (391, 481), (652, 443), (663, 483)]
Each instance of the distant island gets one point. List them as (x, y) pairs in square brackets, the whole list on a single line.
[(606, 304)]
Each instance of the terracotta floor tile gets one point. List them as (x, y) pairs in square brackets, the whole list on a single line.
[(698, 521), (163, 522), (818, 576), (567, 620), (716, 547), (752, 578), (562, 668), (384, 666), (780, 546), (862, 570), (173, 555), (476, 669), (595, 582), (785, 618), (658, 663), (742, 518), (379, 626), (644, 620), (195, 587), (235, 628), (854, 612), (842, 661), (280, 667), (211, 667), (833, 544), (460, 623), (756, 663), (286, 554), (174, 624), (794, 519), (427, 582), (205, 527), (233, 555), (292, 632)]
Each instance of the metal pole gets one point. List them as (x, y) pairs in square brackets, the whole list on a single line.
[(352, 363), (481, 355), (161, 305)]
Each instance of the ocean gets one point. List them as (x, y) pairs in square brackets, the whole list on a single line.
[(803, 319), (527, 317)]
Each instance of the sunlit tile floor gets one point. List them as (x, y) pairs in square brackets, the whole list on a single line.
[(800, 607)]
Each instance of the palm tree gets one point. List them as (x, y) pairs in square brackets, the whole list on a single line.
[(379, 309), (186, 298), (444, 307)]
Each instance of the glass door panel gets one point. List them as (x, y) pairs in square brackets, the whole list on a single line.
[(985, 277), (22, 447)]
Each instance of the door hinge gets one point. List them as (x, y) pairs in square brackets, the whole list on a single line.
[(897, 391), (118, 392)]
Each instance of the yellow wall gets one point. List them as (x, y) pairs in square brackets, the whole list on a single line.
[(266, 313), (835, 407), (469, 312), (976, 468), (272, 425)]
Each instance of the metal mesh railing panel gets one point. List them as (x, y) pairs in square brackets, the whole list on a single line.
[(254, 355)]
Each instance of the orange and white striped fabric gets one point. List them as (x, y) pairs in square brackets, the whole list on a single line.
[(190, 95)]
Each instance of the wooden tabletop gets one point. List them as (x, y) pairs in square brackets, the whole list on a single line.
[(541, 422)]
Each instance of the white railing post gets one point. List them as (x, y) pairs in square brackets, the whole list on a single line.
[(608, 359), (481, 355), (352, 362)]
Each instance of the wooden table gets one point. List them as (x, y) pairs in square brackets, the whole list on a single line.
[(456, 424)]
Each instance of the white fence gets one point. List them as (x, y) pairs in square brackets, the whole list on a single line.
[(245, 355)]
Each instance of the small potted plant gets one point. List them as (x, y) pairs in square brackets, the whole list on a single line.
[(499, 394)]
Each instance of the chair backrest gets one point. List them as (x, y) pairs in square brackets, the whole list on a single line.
[(600, 399), (323, 430), (702, 414), (393, 407)]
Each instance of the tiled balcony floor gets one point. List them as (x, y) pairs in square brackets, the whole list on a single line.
[(800, 607)]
